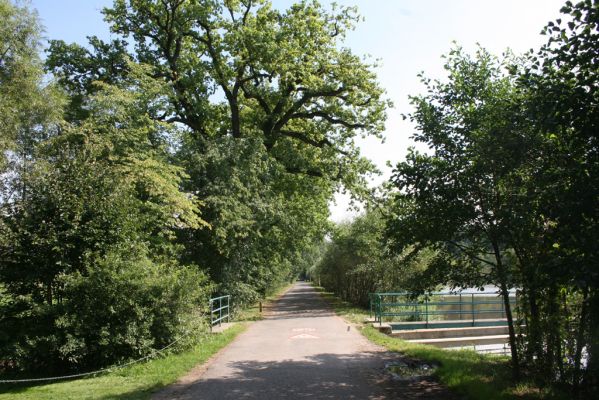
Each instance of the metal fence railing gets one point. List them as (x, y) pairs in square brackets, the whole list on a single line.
[(219, 310), (440, 308)]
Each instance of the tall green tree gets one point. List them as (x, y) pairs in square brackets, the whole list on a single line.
[(454, 197), (26, 103), (269, 103), (244, 69), (356, 260), (90, 267)]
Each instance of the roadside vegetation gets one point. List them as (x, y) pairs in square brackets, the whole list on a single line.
[(139, 381), (130, 193)]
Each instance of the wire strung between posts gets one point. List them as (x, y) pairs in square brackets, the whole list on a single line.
[(56, 378)]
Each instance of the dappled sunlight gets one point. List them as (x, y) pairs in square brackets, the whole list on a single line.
[(314, 378)]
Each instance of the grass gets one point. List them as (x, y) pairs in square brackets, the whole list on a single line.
[(477, 376)]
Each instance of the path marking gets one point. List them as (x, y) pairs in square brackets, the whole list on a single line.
[(303, 330), (304, 336)]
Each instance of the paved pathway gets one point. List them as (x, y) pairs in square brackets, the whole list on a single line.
[(301, 350)]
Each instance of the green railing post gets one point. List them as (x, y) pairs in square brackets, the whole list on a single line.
[(211, 313), (426, 310), (460, 306), (380, 310), (472, 308)]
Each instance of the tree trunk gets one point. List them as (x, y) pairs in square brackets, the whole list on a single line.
[(580, 342), (49, 297), (502, 275), (534, 346), (591, 381)]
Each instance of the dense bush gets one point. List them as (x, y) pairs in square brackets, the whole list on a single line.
[(123, 305), (126, 305)]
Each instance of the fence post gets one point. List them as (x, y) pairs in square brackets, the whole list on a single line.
[(380, 309), (472, 308), (460, 306), (426, 310), (211, 311), (220, 311)]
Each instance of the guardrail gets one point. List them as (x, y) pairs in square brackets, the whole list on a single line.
[(219, 310), (440, 308)]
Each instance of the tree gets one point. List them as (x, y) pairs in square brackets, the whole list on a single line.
[(26, 103), (269, 104), (241, 68), (97, 219), (455, 199), (357, 262)]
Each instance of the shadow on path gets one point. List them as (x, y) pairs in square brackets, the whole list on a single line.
[(302, 301), (324, 376)]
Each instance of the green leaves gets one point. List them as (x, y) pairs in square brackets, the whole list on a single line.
[(282, 75)]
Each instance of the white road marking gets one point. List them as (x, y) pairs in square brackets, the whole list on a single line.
[(304, 336)]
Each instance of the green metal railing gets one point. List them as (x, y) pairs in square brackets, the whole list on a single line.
[(219, 310), (441, 308)]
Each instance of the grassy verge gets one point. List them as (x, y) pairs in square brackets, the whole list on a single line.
[(477, 376)]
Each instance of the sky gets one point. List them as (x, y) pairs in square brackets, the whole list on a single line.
[(407, 36)]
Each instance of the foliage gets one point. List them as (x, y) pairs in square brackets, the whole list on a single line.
[(270, 103), (456, 199), (261, 217), (563, 80), (233, 108), (87, 235), (356, 262), (125, 305), (25, 103)]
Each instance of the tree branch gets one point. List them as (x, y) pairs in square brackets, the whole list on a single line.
[(317, 143), (469, 253), (332, 120)]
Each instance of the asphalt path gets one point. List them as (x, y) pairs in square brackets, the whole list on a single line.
[(300, 350)]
